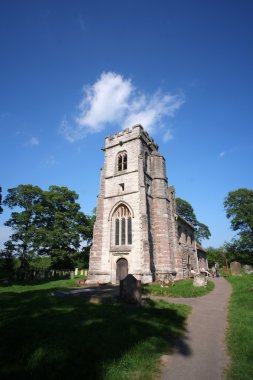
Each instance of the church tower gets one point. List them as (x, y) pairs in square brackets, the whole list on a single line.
[(135, 230)]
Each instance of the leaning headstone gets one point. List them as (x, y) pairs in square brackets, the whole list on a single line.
[(235, 268), (199, 280), (76, 271), (248, 269), (130, 289)]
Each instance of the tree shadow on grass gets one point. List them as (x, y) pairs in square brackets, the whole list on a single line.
[(45, 337)]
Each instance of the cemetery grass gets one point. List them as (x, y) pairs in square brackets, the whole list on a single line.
[(48, 337), (181, 288), (240, 333)]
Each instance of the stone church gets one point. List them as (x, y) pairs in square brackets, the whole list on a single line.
[(137, 229)]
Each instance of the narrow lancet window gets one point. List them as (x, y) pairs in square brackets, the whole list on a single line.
[(123, 231), (124, 161), (129, 230), (120, 162), (117, 232)]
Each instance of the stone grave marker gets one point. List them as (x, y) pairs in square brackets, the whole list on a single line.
[(76, 271), (248, 269), (72, 275), (199, 281), (130, 289), (235, 268)]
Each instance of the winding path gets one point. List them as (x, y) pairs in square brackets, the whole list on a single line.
[(201, 353)]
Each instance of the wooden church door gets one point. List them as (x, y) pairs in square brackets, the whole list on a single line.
[(121, 270)]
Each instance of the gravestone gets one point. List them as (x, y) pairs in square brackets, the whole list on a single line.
[(199, 280), (81, 272), (248, 269), (72, 275), (166, 280), (76, 271), (235, 268), (130, 289)]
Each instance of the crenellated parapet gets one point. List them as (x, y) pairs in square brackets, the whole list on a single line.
[(135, 132)]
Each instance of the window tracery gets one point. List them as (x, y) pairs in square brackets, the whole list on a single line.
[(122, 220)]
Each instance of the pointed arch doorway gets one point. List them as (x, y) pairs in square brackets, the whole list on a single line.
[(121, 270)]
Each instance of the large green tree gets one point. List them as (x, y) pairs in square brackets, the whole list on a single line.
[(63, 226), (27, 199), (185, 210), (46, 223), (239, 209)]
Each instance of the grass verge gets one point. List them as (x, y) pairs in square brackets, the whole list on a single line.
[(240, 334), (182, 288), (46, 337)]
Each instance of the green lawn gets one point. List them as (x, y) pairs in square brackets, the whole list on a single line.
[(240, 334), (182, 288), (45, 337)]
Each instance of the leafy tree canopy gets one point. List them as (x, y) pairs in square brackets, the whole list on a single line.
[(216, 255), (239, 209), (46, 223), (185, 210), (27, 199)]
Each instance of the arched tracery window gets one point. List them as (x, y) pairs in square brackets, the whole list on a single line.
[(122, 221), (122, 161)]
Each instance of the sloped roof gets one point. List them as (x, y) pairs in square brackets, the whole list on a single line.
[(200, 248), (184, 221)]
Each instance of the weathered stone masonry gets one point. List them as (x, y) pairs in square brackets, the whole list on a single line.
[(137, 229)]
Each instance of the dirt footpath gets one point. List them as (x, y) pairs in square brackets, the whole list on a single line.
[(202, 353)]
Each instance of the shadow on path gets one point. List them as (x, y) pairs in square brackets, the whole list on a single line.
[(202, 352)]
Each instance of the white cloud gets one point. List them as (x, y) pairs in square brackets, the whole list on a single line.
[(167, 136), (114, 99)]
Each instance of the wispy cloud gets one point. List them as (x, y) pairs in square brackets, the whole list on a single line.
[(112, 99), (167, 136), (34, 141), (51, 160), (236, 150)]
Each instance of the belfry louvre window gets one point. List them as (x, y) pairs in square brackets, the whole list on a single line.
[(123, 226), (122, 161)]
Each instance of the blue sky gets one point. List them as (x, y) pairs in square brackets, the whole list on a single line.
[(73, 72)]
